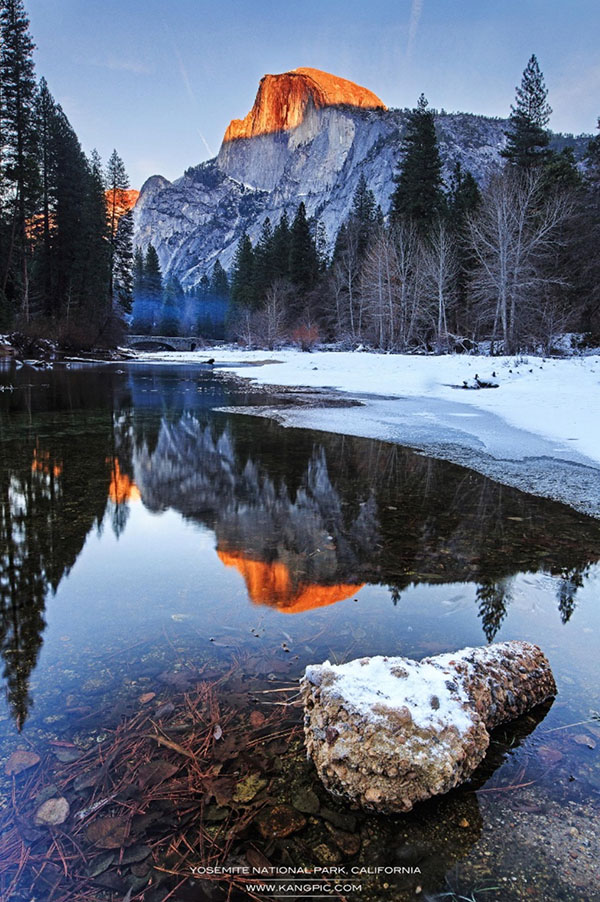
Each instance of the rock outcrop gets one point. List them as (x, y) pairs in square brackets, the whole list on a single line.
[(124, 199), (201, 216), (309, 136), (282, 101), (386, 733)]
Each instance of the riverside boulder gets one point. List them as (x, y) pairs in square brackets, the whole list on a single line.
[(388, 732)]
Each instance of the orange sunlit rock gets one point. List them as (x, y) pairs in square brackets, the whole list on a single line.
[(121, 488), (272, 584), (282, 100), (123, 201)]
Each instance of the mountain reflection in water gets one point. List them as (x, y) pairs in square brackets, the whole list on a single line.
[(306, 518), (383, 515)]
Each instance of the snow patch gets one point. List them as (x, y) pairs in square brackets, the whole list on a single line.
[(374, 687), (555, 398)]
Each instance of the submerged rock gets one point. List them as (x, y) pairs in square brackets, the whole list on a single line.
[(280, 821), (19, 761), (52, 813), (388, 732)]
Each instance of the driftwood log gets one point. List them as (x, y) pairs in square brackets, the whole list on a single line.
[(385, 733)]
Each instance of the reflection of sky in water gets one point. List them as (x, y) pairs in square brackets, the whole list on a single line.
[(228, 539), (162, 566), (218, 527)]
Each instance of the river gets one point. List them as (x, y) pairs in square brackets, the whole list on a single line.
[(145, 534)]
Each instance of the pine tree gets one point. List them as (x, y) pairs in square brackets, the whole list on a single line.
[(152, 290), (171, 311), (304, 264), (138, 272), (527, 136), (19, 149), (363, 215), (561, 172), (120, 231), (46, 224), (58, 257), (97, 300), (242, 278), (321, 245), (70, 187), (464, 198), (152, 275), (593, 157), (584, 247), (264, 264), (203, 287), (219, 283), (67, 231), (142, 310), (123, 263), (341, 240), (281, 248), (419, 195)]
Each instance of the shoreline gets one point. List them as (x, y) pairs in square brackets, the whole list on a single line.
[(490, 431), (574, 483), (538, 432)]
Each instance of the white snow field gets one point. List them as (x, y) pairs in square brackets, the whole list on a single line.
[(539, 430)]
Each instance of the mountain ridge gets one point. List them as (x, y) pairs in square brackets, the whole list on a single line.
[(201, 216)]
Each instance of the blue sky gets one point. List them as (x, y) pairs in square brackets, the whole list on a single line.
[(160, 80)]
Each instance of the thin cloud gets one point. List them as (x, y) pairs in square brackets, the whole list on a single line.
[(205, 142), (413, 26), (187, 83), (120, 64)]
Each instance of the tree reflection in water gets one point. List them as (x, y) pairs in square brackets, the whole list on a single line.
[(307, 518), (54, 489)]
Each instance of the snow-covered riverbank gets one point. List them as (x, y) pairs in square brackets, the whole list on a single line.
[(539, 430)]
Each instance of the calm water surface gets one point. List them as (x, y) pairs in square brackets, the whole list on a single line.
[(141, 530)]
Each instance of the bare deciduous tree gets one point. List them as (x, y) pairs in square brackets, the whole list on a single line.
[(379, 288), (347, 275), (335, 305), (406, 241), (439, 271), (243, 327), (512, 235), (390, 287), (269, 323)]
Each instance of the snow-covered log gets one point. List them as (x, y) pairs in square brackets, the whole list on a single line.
[(387, 732)]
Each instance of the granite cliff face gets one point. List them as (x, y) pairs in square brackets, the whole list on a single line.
[(124, 200), (283, 100), (308, 137)]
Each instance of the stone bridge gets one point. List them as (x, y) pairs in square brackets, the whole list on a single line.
[(164, 343)]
